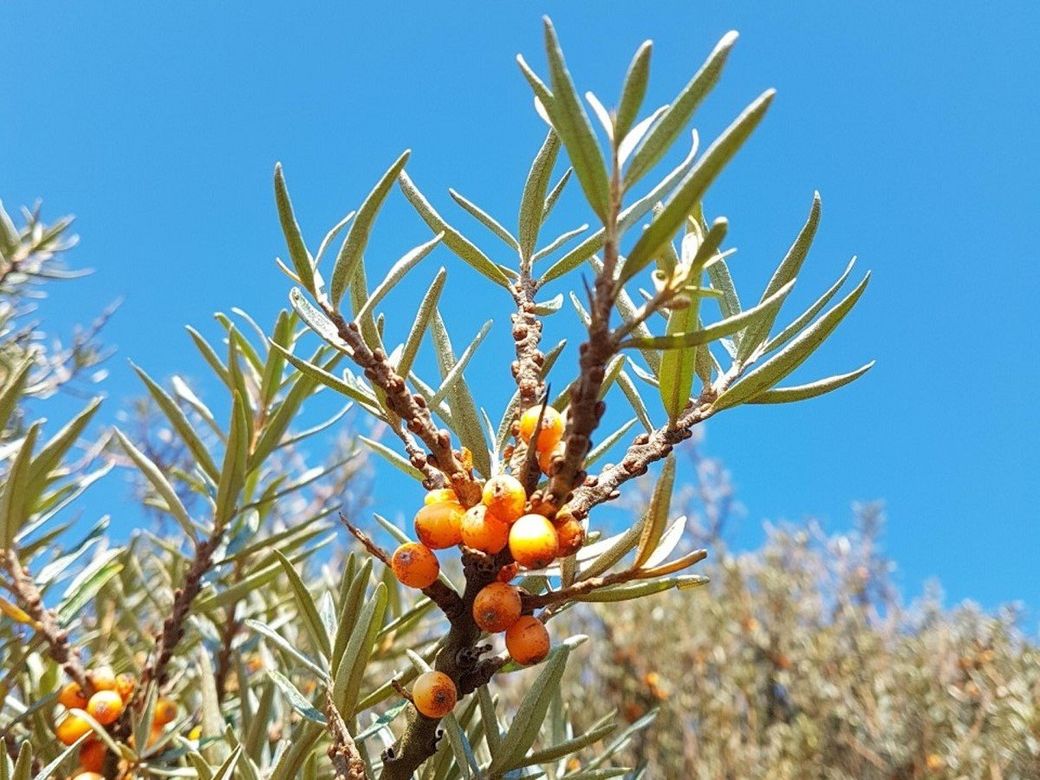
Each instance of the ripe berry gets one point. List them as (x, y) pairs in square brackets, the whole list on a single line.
[(570, 535), (532, 541), (481, 530), (73, 696), (550, 432), (105, 707), (102, 678), (496, 607), (508, 572), (439, 525), (441, 496), (125, 686), (434, 694), (527, 640), (70, 728), (504, 497), (92, 755), (88, 776), (165, 712), (546, 457), (415, 565)]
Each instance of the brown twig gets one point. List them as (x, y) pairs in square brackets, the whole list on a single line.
[(347, 762), (31, 600)]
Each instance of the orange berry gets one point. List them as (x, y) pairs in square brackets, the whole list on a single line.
[(88, 776), (527, 640), (504, 497), (496, 607), (415, 565), (547, 456), (434, 694), (125, 686), (72, 696), (70, 728), (165, 711), (439, 525), (154, 734), (105, 707), (532, 541), (570, 535), (481, 530), (92, 755), (550, 432), (508, 572), (102, 678), (440, 496)]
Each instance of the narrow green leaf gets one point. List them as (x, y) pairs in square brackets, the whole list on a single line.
[(558, 242), (328, 379), (807, 316), (355, 658), (677, 367), (663, 134), (465, 418), (532, 201), (396, 273), (12, 391), (180, 423), (633, 92), (562, 749), (656, 518), (455, 372), (754, 336), (14, 504), (50, 455), (453, 239), (301, 258), (360, 229), (693, 186), (297, 700), (554, 194), (162, 485), (421, 323), (484, 219), (300, 747), (786, 395), (790, 357), (306, 606), (395, 459)]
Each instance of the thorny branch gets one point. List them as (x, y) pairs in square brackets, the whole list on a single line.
[(343, 752)]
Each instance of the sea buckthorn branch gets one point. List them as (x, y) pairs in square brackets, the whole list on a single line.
[(347, 762), (410, 407), (46, 622)]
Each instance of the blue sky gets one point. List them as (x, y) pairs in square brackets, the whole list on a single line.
[(158, 126)]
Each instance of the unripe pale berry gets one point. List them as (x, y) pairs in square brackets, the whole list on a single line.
[(496, 607), (550, 432), (73, 696), (532, 541), (504, 497), (70, 728), (434, 694), (441, 496), (570, 535), (165, 712), (102, 678), (527, 640), (415, 565), (92, 755), (439, 525), (481, 530), (105, 707)]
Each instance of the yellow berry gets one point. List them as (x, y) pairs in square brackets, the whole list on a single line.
[(73, 696), (165, 712), (527, 640), (547, 456), (532, 541), (415, 565), (439, 525), (550, 432), (496, 607), (125, 686), (570, 535), (504, 497), (434, 694), (88, 776), (70, 728), (92, 755), (105, 707), (102, 678), (481, 530), (441, 496)]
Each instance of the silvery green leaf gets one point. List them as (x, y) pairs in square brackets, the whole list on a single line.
[(332, 235), (492, 727), (316, 320), (306, 607), (465, 418), (14, 504), (396, 273), (562, 749), (351, 670), (181, 424), (52, 768), (298, 254), (455, 372), (693, 186), (635, 136), (158, 481), (666, 545), (806, 317), (603, 447), (331, 380), (532, 201), (12, 391), (677, 367), (601, 114), (767, 375), (87, 584), (301, 743), (756, 335), (395, 459), (353, 248), (554, 193), (233, 470), (635, 399), (786, 395), (656, 517), (297, 700), (453, 239), (289, 648), (421, 323), (558, 242), (550, 306), (485, 219), (632, 92), (50, 454), (668, 128)]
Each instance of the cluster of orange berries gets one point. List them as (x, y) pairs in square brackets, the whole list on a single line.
[(111, 696), (501, 520)]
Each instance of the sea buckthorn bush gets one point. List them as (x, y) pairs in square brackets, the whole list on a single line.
[(274, 627)]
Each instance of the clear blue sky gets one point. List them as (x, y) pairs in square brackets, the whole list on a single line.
[(159, 124)]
